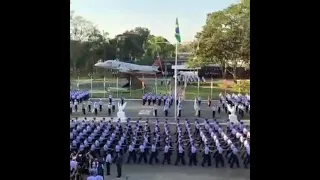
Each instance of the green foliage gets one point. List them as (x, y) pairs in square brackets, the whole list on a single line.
[(88, 45), (242, 86), (225, 38)]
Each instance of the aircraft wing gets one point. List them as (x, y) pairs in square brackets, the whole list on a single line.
[(127, 70)]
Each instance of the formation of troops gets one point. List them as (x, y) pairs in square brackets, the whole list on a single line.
[(102, 142), (241, 102), (88, 106), (167, 100)]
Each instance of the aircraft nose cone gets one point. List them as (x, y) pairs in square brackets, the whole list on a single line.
[(98, 64)]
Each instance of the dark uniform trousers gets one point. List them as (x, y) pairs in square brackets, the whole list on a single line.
[(206, 158), (122, 101), (154, 156), (166, 158), (113, 108), (109, 111), (199, 113), (155, 112), (100, 107), (89, 108), (132, 155), (218, 159), (193, 159), (246, 161), (70, 110), (143, 155), (219, 110), (180, 157), (166, 113), (95, 111), (179, 113), (234, 159), (213, 114), (76, 108), (119, 170), (149, 102), (84, 111), (108, 168)]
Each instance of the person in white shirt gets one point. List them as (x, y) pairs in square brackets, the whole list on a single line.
[(84, 108), (108, 162), (166, 154), (193, 155), (95, 106), (132, 153), (143, 154), (89, 106), (154, 154), (219, 157), (100, 105), (206, 156), (214, 108), (75, 105), (180, 155), (234, 157), (71, 106)]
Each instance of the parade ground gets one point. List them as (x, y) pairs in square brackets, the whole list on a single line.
[(135, 110), (172, 172)]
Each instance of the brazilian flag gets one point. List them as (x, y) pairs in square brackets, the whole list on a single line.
[(177, 34)]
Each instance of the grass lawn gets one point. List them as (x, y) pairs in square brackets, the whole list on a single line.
[(205, 90)]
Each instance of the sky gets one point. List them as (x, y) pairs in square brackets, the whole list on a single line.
[(117, 16)]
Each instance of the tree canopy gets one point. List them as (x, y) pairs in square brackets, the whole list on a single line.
[(225, 39), (88, 45)]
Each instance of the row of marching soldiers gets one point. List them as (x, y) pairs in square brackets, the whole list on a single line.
[(241, 102), (156, 99), (106, 140), (94, 107)]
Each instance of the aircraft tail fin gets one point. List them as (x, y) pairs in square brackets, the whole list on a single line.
[(157, 63)]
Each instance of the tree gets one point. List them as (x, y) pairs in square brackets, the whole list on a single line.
[(225, 38)]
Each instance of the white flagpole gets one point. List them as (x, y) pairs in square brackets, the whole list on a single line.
[(198, 85), (91, 85), (104, 86), (117, 86), (175, 83), (211, 88), (78, 83), (130, 86)]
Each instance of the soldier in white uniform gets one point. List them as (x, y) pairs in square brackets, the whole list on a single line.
[(83, 108), (113, 105), (179, 109), (155, 110), (109, 109), (95, 106), (100, 105), (75, 105), (89, 106)]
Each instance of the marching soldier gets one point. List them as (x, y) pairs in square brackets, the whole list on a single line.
[(199, 111), (143, 154), (206, 156), (165, 108), (154, 154), (95, 106), (89, 106), (155, 110), (149, 99), (75, 105), (209, 101), (166, 154), (219, 107), (113, 105), (84, 108), (71, 106), (153, 99), (213, 111), (144, 98), (180, 155), (159, 100), (110, 98), (179, 109), (122, 100), (219, 157), (100, 105), (109, 109), (132, 153), (234, 157), (193, 155)]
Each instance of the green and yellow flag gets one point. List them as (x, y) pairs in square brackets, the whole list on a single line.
[(177, 34)]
